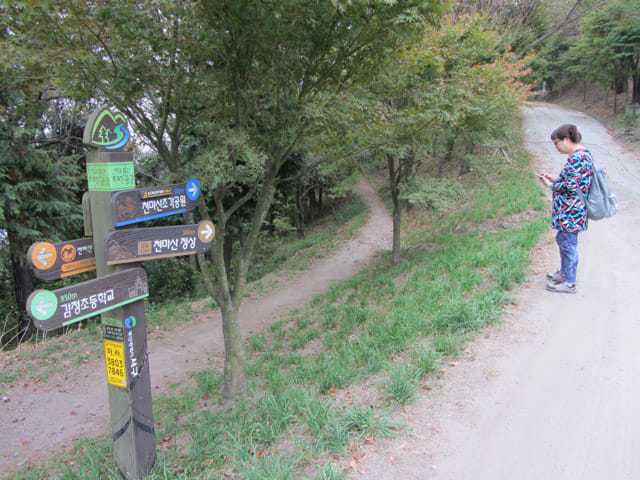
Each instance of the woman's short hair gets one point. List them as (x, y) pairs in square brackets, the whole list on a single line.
[(567, 131)]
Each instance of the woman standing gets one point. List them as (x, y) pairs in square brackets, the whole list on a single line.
[(569, 214)]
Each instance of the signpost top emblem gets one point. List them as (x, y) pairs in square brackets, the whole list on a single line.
[(106, 130)]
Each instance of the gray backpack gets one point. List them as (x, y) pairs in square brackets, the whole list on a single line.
[(600, 201)]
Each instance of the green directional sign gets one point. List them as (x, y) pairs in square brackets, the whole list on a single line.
[(43, 305), (59, 308)]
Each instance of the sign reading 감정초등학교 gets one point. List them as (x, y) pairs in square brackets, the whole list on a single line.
[(134, 206), (138, 244), (62, 307)]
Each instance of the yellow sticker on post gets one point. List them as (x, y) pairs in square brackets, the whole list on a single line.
[(114, 361)]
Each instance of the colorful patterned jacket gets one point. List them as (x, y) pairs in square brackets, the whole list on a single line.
[(568, 212)]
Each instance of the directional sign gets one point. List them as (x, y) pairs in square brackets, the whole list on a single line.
[(58, 308), (133, 206), (137, 244), (53, 261)]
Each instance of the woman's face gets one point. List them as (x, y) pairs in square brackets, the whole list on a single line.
[(562, 145)]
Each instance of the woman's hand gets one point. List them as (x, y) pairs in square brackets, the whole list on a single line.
[(545, 178)]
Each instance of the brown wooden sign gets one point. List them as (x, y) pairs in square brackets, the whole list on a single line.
[(138, 244), (59, 308), (52, 261), (134, 206)]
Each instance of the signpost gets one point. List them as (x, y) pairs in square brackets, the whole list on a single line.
[(134, 245), (53, 261), (118, 292), (133, 206)]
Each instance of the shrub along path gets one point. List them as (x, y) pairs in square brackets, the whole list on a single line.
[(40, 419)]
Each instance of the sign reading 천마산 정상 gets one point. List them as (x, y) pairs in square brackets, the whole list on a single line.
[(59, 308), (138, 244)]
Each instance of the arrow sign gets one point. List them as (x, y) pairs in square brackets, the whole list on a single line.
[(43, 257), (53, 261), (206, 232), (137, 244), (59, 308), (134, 206)]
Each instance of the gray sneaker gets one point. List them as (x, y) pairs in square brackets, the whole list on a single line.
[(555, 277), (562, 287)]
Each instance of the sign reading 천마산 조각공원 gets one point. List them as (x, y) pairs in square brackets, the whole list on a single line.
[(138, 244), (134, 206), (59, 308), (52, 261)]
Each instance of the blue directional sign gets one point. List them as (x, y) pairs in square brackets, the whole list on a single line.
[(134, 206), (193, 190)]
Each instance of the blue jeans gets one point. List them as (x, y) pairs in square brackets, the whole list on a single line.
[(568, 244)]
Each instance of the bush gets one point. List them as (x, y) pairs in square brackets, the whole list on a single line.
[(171, 278)]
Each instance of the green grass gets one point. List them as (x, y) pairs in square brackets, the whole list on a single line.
[(335, 373)]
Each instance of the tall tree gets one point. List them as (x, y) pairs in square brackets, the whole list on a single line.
[(221, 90), (39, 182), (457, 86), (609, 46), (274, 60)]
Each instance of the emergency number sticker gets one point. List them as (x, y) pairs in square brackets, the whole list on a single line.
[(114, 360)]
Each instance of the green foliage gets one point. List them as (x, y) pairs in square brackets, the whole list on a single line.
[(433, 193), (171, 279)]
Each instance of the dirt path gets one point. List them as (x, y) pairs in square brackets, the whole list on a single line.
[(38, 420), (553, 392)]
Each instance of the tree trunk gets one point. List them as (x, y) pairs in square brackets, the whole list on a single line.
[(397, 214), (299, 217), (22, 287), (235, 381), (451, 142), (312, 205)]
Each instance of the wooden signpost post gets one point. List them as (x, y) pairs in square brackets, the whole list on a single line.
[(118, 292)]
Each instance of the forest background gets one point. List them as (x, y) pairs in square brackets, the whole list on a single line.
[(276, 107)]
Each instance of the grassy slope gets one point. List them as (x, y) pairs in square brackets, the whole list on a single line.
[(332, 375)]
